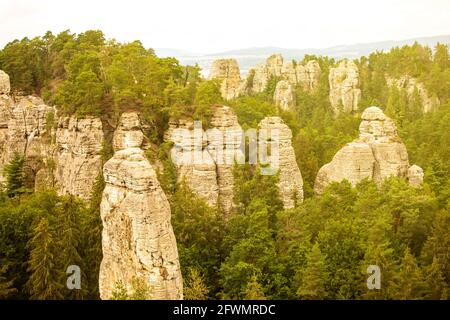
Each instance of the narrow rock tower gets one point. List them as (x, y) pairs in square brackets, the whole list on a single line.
[(137, 239)]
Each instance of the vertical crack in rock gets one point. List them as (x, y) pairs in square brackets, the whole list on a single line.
[(137, 238)]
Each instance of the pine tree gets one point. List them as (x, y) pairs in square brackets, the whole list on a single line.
[(195, 288), (408, 282), (141, 290), (6, 286), (119, 292), (44, 281), (69, 242), (254, 290), (379, 253), (15, 175), (437, 287), (312, 287)]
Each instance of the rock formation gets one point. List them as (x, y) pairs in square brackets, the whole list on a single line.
[(194, 163), (205, 160), (78, 155), (415, 176), (224, 145), (290, 179), (411, 85), (227, 71), (307, 76), (137, 239), (5, 85), (283, 96), (24, 130), (344, 87), (377, 154)]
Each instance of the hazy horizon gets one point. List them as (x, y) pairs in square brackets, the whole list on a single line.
[(214, 26)]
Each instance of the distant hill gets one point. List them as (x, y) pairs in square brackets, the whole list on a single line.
[(249, 57)]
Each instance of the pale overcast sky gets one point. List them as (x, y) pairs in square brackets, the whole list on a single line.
[(207, 26)]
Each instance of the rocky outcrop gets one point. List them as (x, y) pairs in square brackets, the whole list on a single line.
[(194, 163), (224, 146), (377, 154), (283, 96), (344, 87), (415, 176), (78, 155), (411, 86), (290, 178), (24, 130), (5, 85), (137, 239), (296, 74), (227, 71)]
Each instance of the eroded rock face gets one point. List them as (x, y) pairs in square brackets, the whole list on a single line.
[(194, 163), (227, 71), (415, 175), (5, 85), (284, 95), (307, 76), (78, 155), (344, 87), (224, 145), (377, 154), (24, 130), (290, 178), (137, 238), (411, 85)]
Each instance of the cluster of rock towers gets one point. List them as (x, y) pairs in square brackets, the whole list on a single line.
[(137, 239)]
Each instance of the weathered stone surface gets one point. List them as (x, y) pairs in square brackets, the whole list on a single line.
[(290, 178), (224, 145), (354, 162), (128, 134), (415, 175), (377, 154), (78, 155), (137, 238), (23, 129), (284, 95), (411, 85), (5, 85), (344, 87), (194, 163), (227, 71), (307, 76)]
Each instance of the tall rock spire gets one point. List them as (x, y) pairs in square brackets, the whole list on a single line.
[(137, 239)]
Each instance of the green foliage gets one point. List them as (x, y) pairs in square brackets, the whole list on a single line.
[(15, 175), (314, 278), (254, 290), (194, 286), (43, 283), (119, 292)]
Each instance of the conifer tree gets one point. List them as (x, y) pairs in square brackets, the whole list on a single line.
[(408, 282), (44, 281), (6, 286), (312, 287), (15, 175), (195, 288), (254, 290), (437, 287)]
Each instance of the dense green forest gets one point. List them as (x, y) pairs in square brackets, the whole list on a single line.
[(318, 250)]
